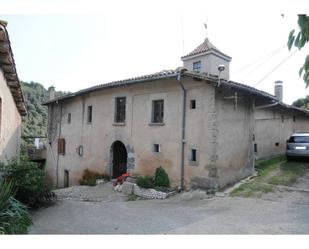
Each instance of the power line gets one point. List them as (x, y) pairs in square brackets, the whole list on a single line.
[(267, 56), (275, 68)]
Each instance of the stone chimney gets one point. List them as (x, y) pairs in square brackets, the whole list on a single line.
[(279, 90), (51, 93)]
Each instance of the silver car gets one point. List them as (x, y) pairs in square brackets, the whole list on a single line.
[(297, 146)]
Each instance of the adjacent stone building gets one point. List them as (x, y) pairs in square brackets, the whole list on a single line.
[(12, 106), (198, 125)]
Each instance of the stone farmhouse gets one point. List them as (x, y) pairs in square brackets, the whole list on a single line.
[(12, 105), (202, 128)]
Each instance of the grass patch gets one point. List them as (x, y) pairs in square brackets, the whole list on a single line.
[(288, 174), (260, 186), (266, 166), (252, 189)]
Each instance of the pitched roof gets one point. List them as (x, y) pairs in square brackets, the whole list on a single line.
[(7, 64), (203, 48), (170, 74), (165, 74)]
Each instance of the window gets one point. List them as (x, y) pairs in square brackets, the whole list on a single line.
[(157, 111), (156, 148), (197, 66), (120, 110), (61, 146), (89, 114), (282, 118), (192, 104), (193, 155), (255, 148), (294, 118), (69, 118), (277, 144)]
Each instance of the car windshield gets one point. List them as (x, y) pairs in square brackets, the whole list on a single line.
[(299, 139)]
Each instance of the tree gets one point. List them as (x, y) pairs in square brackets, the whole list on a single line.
[(300, 41), (302, 102)]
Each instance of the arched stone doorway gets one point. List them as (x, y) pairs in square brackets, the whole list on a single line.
[(119, 158)]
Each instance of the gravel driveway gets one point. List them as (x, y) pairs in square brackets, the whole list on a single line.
[(100, 210)]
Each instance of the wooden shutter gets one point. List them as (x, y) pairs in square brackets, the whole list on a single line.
[(61, 146)]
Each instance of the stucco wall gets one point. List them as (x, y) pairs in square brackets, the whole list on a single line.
[(235, 130), (10, 123), (209, 64), (273, 127), (208, 130)]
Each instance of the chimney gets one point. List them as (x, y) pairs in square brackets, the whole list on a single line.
[(51, 92), (279, 90)]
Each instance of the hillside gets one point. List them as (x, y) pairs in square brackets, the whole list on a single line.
[(35, 123)]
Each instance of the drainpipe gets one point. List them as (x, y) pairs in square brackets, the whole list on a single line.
[(59, 134), (183, 135)]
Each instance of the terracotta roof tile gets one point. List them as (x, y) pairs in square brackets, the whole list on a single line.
[(204, 47)]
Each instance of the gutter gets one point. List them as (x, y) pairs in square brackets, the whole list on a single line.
[(183, 128), (266, 106), (59, 135)]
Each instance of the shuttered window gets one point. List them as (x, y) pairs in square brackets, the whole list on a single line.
[(157, 111), (120, 109), (61, 146)]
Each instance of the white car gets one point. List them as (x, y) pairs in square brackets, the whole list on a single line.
[(297, 146)]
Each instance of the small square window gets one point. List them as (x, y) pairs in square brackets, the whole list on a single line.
[(197, 66), (193, 104), (69, 118), (277, 144), (156, 148), (193, 155)]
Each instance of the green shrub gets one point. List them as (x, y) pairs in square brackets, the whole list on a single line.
[(14, 216), (145, 182), (89, 177), (161, 178), (29, 181)]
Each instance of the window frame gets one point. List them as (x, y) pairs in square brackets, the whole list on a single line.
[(120, 111), (198, 67), (157, 119)]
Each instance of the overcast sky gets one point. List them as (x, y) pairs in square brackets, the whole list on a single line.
[(74, 45)]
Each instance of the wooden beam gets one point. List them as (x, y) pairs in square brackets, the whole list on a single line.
[(13, 83), (2, 35), (8, 69), (4, 47), (10, 76), (5, 59)]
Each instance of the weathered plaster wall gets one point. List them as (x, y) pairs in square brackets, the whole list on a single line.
[(209, 64), (235, 157), (10, 123), (273, 127)]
